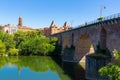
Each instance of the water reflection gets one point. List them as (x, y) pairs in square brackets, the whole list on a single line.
[(37, 68), (76, 71)]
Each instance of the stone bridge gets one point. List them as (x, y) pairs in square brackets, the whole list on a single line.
[(87, 38)]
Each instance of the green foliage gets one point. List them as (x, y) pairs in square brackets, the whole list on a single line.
[(112, 69), (13, 52), (117, 57), (105, 52), (116, 54), (57, 51), (7, 39), (53, 40), (2, 48), (20, 36), (32, 34), (1, 35), (28, 43), (36, 46)]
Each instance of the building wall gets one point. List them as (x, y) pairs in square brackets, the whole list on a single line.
[(53, 29), (9, 28)]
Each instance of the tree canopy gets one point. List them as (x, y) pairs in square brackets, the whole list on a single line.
[(27, 43), (112, 69)]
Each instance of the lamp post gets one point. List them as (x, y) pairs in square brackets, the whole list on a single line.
[(101, 17)]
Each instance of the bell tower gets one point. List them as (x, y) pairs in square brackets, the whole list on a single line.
[(20, 24), (53, 24), (65, 26)]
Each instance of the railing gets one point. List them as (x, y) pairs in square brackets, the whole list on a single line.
[(114, 16)]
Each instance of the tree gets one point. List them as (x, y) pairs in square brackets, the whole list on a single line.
[(13, 52), (19, 37), (36, 46), (2, 48), (8, 40), (112, 69), (1, 35), (33, 34)]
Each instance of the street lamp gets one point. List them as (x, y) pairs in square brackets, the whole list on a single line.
[(101, 17)]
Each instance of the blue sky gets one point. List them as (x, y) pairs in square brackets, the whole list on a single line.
[(40, 13)]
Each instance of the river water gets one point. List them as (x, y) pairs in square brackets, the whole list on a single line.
[(39, 68)]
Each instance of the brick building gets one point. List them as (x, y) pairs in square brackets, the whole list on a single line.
[(21, 27), (47, 31), (53, 29)]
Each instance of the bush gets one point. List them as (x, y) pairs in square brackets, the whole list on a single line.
[(36, 46), (2, 48), (112, 69), (13, 52)]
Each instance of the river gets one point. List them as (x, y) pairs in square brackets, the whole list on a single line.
[(39, 68)]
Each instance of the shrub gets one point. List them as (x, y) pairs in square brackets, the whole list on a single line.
[(36, 46), (112, 69), (13, 52), (2, 48)]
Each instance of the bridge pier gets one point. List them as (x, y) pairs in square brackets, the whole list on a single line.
[(93, 64), (68, 54)]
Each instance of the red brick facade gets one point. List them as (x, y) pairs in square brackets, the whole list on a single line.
[(53, 29)]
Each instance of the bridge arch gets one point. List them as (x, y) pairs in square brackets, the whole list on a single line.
[(83, 47)]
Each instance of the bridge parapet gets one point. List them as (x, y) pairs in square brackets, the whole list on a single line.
[(108, 18)]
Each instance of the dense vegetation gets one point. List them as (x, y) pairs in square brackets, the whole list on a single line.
[(26, 43), (112, 69)]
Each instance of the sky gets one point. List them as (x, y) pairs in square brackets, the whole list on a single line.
[(40, 13)]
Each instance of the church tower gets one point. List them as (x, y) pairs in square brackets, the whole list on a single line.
[(20, 24), (65, 26), (53, 24), (52, 28)]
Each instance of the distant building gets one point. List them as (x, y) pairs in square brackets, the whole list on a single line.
[(47, 31), (9, 28), (21, 27), (53, 29)]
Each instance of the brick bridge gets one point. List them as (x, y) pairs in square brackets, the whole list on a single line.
[(85, 38)]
